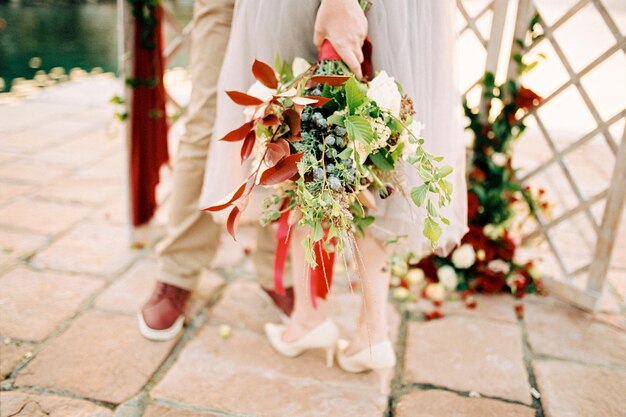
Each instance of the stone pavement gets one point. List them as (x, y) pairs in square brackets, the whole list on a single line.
[(70, 285)]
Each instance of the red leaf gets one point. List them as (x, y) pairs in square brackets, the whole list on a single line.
[(276, 151), (244, 99), (265, 74), (334, 80), (248, 145), (282, 171), (320, 100), (292, 118), (227, 201), (270, 120), (239, 133), (233, 221)]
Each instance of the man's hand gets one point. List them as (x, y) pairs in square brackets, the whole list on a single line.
[(343, 23)]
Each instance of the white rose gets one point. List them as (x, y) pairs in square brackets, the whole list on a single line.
[(398, 270), (499, 159), (395, 281), (447, 277), (384, 91), (415, 276), (401, 294), (498, 265), (299, 65), (492, 232), (464, 256), (435, 291)]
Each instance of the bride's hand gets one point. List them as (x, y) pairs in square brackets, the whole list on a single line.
[(344, 24)]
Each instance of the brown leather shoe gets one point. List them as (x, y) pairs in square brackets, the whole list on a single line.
[(283, 302), (163, 315)]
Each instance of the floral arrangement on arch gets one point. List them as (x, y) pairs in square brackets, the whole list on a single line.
[(488, 259)]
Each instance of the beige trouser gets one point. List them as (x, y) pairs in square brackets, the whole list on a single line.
[(192, 236)]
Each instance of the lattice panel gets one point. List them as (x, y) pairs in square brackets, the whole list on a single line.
[(572, 144)]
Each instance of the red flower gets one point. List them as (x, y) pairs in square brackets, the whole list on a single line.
[(527, 99), (505, 248), (429, 267), (478, 240), (519, 311), (477, 174), (472, 205), (490, 281)]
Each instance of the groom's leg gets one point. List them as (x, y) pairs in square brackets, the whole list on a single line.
[(192, 236)]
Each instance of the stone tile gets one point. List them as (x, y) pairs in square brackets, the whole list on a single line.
[(25, 113), (245, 305), (10, 191), (15, 246), (87, 149), (76, 190), (31, 171), (156, 411), (557, 329), (41, 216), (213, 372), (33, 303), (29, 404), (95, 248), (570, 389), (436, 403), (11, 354), (109, 168), (129, 292), (101, 356), (499, 307), (468, 355)]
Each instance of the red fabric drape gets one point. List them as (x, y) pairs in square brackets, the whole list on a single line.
[(148, 121)]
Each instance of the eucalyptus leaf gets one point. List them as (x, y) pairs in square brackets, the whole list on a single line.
[(418, 194)]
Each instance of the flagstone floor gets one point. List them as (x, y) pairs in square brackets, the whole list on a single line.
[(70, 285)]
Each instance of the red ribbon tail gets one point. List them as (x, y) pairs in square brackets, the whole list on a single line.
[(282, 249), (328, 52)]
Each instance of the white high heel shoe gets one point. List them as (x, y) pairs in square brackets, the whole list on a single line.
[(380, 358), (324, 336)]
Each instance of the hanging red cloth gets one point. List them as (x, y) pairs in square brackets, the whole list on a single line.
[(321, 277), (147, 116)]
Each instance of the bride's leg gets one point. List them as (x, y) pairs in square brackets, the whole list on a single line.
[(305, 317), (372, 326)]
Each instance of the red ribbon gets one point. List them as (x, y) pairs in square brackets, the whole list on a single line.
[(329, 53), (321, 277)]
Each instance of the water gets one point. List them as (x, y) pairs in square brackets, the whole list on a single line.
[(67, 36)]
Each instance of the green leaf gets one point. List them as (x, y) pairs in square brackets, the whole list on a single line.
[(354, 95), (418, 194), (345, 154), (432, 210), (432, 231), (309, 255), (446, 186), (445, 220), (318, 232), (336, 119), (444, 171), (382, 162), (359, 129)]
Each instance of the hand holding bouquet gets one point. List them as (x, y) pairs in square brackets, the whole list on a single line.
[(326, 144)]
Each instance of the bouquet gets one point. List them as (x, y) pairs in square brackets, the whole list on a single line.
[(325, 144)]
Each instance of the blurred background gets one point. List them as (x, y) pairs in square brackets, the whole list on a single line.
[(74, 267)]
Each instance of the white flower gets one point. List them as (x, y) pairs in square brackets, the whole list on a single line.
[(384, 91), (401, 294), (464, 256), (382, 133), (395, 281), (498, 265), (447, 277), (398, 270), (499, 159), (492, 232), (299, 65), (225, 331), (415, 276), (410, 143), (435, 291)]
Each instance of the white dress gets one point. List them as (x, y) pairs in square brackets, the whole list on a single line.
[(414, 41)]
